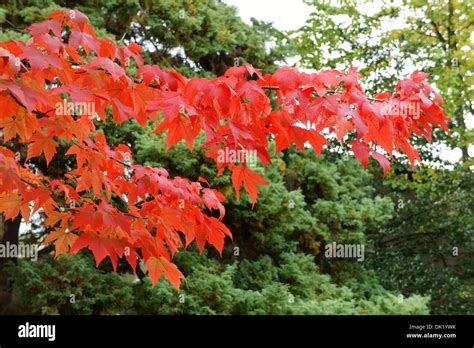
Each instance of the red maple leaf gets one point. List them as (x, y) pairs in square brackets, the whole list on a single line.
[(242, 174)]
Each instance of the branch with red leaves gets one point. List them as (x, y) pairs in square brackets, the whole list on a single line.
[(65, 59)]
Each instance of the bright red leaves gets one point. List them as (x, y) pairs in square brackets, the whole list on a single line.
[(161, 215)]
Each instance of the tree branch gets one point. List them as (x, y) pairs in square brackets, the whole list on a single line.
[(438, 33)]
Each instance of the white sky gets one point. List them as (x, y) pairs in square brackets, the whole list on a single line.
[(284, 14), (287, 14)]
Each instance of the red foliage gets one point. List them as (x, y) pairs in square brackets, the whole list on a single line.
[(65, 59)]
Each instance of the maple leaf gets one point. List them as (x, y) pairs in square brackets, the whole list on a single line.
[(317, 141), (217, 233), (100, 247), (38, 29), (178, 128), (82, 155), (124, 111), (133, 51), (52, 44), (213, 199), (78, 18), (158, 266), (361, 151), (41, 143), (149, 73), (251, 70), (85, 40), (53, 217), (383, 161), (10, 205), (22, 125), (242, 174), (386, 136), (63, 240), (69, 192), (41, 198), (38, 60), (115, 70), (411, 152)]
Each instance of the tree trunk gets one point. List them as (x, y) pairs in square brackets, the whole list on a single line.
[(9, 233)]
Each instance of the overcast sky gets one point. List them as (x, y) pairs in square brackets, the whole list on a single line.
[(284, 14)]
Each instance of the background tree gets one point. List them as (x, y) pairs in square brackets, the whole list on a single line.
[(415, 250)]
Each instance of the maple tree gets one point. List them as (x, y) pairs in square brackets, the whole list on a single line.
[(240, 110)]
